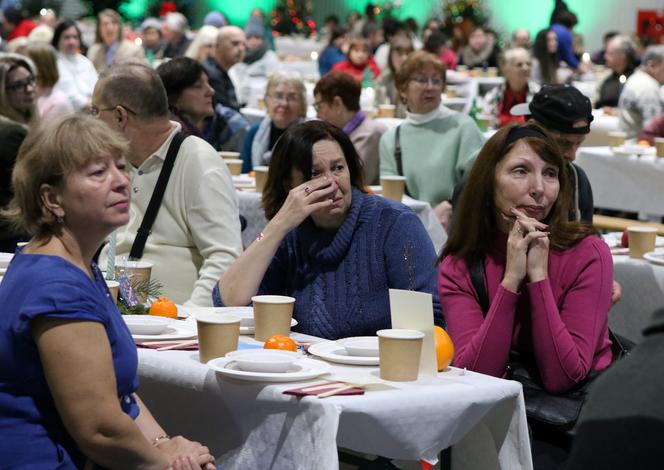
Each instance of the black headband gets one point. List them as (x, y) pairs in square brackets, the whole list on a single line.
[(518, 133)]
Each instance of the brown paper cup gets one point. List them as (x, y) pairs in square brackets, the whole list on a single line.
[(641, 240), (217, 335), (113, 288), (617, 138), (393, 186), (492, 72), (137, 272), (399, 352), (234, 166), (387, 110), (272, 315), (659, 146), (229, 155), (261, 177)]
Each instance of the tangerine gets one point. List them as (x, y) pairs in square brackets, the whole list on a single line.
[(164, 307), (444, 348), (280, 342)]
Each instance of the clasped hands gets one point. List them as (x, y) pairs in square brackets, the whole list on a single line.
[(527, 250)]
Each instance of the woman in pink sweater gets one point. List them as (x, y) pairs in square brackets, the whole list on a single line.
[(548, 280)]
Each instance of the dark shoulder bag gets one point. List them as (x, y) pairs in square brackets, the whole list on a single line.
[(560, 411), (397, 156), (157, 196)]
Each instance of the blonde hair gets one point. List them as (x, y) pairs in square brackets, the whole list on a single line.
[(45, 59), (206, 35), (49, 154)]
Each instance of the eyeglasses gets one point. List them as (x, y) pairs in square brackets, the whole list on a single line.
[(317, 104), (22, 85), (95, 111), (290, 98), (435, 82)]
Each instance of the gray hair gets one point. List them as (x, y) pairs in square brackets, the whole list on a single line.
[(136, 86), (290, 78), (510, 54), (176, 22), (653, 54)]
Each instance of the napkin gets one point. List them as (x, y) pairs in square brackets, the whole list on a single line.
[(323, 388), (186, 347)]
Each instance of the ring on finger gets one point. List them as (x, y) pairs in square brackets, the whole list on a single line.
[(307, 190)]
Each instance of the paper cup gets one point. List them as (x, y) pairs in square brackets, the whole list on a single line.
[(617, 138), (218, 335), (260, 103), (393, 186), (641, 240), (451, 91), (272, 315), (261, 177), (138, 272), (492, 72), (484, 121), (234, 166), (113, 288), (659, 146), (230, 155), (387, 110), (399, 352)]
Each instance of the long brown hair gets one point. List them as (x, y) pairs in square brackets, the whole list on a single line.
[(475, 223)]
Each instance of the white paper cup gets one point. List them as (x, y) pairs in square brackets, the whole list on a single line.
[(641, 240), (399, 351), (113, 288), (393, 186), (229, 155), (617, 138), (260, 173), (659, 146), (272, 315), (234, 166), (387, 110), (138, 272), (218, 335)]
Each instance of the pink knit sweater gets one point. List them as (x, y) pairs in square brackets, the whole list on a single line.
[(561, 320)]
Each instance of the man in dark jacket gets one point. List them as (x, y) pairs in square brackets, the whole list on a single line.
[(230, 49)]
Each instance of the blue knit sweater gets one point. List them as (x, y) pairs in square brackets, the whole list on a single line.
[(341, 279)]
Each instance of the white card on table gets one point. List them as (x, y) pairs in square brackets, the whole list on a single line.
[(414, 311)]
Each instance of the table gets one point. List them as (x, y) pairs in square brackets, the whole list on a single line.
[(624, 183), (251, 209), (297, 46), (253, 425), (599, 129)]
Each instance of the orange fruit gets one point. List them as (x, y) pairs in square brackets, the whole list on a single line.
[(643, 143), (444, 348), (368, 190), (280, 342), (164, 307)]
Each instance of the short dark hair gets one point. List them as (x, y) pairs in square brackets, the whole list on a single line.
[(471, 235), (179, 74), (135, 85), (294, 150), (61, 28), (567, 19), (340, 84)]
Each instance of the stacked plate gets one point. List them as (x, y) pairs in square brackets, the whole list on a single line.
[(357, 351), (264, 365), (147, 328)]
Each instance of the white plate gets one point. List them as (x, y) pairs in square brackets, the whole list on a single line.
[(176, 330), (264, 360), (655, 257), (364, 346), (614, 240), (302, 369), (148, 325), (334, 352), (244, 181), (246, 315)]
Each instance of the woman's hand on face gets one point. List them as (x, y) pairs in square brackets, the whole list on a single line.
[(534, 231), (305, 199), (186, 453), (525, 234)]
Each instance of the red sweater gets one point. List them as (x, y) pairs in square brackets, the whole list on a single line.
[(348, 67), (561, 320)]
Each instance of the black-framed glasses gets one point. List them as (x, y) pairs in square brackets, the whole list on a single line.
[(95, 111), (21, 85)]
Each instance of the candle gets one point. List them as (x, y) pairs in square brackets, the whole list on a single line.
[(110, 264)]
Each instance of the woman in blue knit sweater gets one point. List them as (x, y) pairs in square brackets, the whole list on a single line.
[(334, 248)]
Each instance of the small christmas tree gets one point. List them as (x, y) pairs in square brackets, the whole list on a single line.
[(293, 17)]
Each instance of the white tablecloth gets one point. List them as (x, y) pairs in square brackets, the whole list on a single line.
[(599, 129), (253, 425), (295, 46), (251, 209), (632, 183)]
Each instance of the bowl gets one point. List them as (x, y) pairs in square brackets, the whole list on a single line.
[(146, 325), (264, 360), (5, 259), (364, 346)]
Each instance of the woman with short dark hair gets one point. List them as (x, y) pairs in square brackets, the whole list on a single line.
[(334, 248)]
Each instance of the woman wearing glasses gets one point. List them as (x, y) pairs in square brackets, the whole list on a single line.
[(436, 144), (18, 112), (286, 101)]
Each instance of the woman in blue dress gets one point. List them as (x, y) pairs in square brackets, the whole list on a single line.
[(67, 360)]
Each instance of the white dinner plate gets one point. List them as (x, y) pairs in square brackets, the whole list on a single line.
[(176, 330), (655, 257), (334, 352), (246, 315), (5, 259), (303, 369)]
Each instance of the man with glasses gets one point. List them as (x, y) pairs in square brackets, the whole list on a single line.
[(196, 234), (230, 50)]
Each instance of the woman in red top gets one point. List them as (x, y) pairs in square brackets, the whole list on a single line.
[(359, 59)]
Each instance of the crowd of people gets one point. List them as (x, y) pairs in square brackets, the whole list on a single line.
[(88, 132)]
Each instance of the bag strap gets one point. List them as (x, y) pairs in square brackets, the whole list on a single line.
[(397, 155), (157, 196), (477, 277)]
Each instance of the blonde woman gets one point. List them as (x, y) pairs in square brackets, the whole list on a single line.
[(202, 46)]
